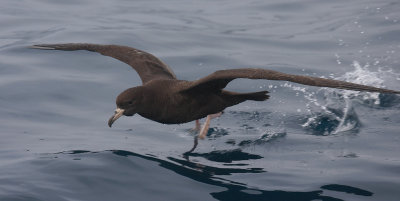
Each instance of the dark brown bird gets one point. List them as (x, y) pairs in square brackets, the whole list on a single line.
[(165, 99)]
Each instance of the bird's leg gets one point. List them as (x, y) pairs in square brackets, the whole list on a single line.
[(204, 130), (196, 138), (196, 141), (197, 126)]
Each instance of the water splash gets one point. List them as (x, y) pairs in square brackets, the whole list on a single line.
[(334, 112), (362, 75)]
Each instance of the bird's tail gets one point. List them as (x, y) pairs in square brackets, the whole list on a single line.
[(255, 96)]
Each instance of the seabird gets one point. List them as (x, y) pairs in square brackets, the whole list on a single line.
[(165, 99)]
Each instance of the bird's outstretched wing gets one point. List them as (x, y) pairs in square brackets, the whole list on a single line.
[(146, 65), (219, 79)]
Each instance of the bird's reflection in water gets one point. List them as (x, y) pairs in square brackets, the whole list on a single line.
[(222, 156), (226, 156), (215, 175), (236, 190)]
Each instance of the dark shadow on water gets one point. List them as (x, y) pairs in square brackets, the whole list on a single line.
[(188, 166), (226, 156), (388, 100), (210, 170), (234, 190), (347, 189)]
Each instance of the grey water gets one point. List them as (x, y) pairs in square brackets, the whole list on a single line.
[(304, 143)]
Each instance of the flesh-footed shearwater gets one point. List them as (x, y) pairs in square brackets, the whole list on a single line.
[(165, 99)]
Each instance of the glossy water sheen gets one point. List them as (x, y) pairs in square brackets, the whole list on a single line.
[(302, 144)]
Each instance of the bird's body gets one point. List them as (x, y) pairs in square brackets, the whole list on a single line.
[(175, 107), (165, 99), (153, 106)]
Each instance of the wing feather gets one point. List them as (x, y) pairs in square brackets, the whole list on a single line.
[(146, 65), (219, 79)]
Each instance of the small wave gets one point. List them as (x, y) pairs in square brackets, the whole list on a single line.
[(267, 136)]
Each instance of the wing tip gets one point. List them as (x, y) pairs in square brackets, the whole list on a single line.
[(42, 47), (387, 91)]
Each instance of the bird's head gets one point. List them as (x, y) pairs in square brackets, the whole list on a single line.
[(127, 104)]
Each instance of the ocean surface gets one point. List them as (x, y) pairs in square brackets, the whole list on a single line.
[(304, 143)]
